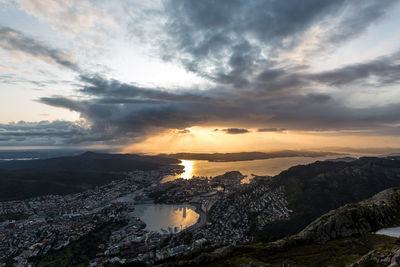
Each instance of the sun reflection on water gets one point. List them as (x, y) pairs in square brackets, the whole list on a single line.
[(188, 171), (162, 216)]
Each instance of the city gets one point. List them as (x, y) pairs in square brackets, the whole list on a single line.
[(51, 223)]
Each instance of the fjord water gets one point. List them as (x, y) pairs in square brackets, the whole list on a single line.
[(167, 217), (163, 216), (258, 167)]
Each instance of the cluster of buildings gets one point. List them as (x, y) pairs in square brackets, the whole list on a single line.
[(51, 222), (237, 216), (196, 188), (138, 245), (24, 241), (229, 212)]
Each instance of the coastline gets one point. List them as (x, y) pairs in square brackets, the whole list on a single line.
[(200, 221)]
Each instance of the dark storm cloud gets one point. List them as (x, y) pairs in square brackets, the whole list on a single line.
[(63, 102), (233, 43), (377, 72), (230, 41), (305, 114), (120, 122), (385, 71), (14, 40), (100, 87), (235, 131), (119, 112), (39, 133)]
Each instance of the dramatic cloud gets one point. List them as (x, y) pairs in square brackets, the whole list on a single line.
[(43, 133), (231, 41), (384, 70), (120, 112), (134, 117), (98, 86), (16, 41), (235, 131), (254, 54)]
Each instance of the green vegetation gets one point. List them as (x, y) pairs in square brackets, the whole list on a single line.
[(80, 251), (13, 216), (341, 252), (334, 253)]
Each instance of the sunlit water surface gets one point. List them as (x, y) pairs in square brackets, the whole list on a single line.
[(259, 167), (162, 216)]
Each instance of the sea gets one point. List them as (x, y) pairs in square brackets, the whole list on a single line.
[(261, 167)]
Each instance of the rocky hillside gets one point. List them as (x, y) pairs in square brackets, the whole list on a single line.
[(382, 210), (341, 237), (306, 192), (317, 188)]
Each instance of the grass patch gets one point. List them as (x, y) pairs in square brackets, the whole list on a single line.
[(334, 253)]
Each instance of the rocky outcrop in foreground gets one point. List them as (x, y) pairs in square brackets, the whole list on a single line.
[(346, 227), (382, 210), (379, 258)]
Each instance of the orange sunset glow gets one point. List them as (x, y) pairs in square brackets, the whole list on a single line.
[(206, 139)]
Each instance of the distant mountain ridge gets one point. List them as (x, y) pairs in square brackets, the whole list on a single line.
[(38, 153), (26, 183), (244, 156), (20, 179), (93, 162)]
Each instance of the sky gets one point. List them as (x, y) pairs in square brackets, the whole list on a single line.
[(196, 76)]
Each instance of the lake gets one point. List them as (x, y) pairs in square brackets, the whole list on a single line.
[(259, 167), (163, 216)]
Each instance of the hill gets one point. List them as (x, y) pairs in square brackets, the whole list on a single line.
[(22, 184), (20, 179), (364, 250), (274, 207), (93, 162), (314, 189), (243, 156), (7, 155), (380, 211), (341, 237)]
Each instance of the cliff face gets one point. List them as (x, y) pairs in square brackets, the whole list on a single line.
[(382, 210)]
